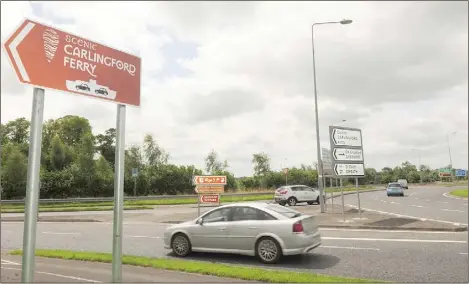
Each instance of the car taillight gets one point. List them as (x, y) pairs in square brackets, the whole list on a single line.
[(298, 227), (283, 192)]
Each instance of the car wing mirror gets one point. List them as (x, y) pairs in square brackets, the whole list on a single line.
[(200, 221)]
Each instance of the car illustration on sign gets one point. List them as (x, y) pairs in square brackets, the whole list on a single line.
[(101, 91), (91, 88), (83, 87)]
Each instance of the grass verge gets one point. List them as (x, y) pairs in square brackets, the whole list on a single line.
[(143, 204), (73, 209), (128, 205), (199, 267), (459, 192)]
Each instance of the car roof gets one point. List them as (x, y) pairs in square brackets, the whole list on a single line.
[(256, 204)]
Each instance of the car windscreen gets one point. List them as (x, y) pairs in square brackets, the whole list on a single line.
[(289, 213), (394, 185)]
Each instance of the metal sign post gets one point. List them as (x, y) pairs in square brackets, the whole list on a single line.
[(332, 195), (198, 204), (32, 187), (343, 202), (118, 196), (358, 197)]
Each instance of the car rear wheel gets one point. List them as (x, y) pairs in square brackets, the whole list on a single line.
[(181, 245), (268, 250), (283, 203), (310, 202), (292, 201)]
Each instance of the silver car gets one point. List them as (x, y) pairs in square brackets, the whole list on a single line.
[(265, 230)]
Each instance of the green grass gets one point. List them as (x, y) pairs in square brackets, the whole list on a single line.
[(200, 267), (459, 192), (73, 209), (347, 189), (128, 205)]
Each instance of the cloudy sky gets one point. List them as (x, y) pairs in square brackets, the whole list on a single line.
[(236, 77)]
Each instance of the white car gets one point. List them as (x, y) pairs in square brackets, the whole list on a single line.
[(267, 231), (293, 194)]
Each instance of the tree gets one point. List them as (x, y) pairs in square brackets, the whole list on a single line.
[(261, 164), (14, 175), (154, 154), (57, 154), (72, 129), (106, 145), (17, 131), (212, 163), (103, 178)]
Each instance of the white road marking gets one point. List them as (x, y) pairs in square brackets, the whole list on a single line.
[(446, 194), (356, 248), (4, 261), (465, 204), (407, 216), (444, 202), (392, 202), (452, 210), (144, 237), (394, 240), (57, 275), (463, 253), (390, 231), (418, 206), (428, 200), (60, 233), (6, 231)]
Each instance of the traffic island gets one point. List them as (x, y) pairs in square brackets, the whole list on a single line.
[(224, 273)]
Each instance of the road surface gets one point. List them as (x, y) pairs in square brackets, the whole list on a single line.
[(50, 270), (422, 202), (388, 255)]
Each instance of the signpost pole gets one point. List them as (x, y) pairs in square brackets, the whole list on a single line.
[(332, 196), (118, 196), (32, 187), (343, 203), (358, 196), (198, 204), (135, 186)]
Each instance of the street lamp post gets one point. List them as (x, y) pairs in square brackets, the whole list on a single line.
[(449, 152), (418, 156), (320, 166)]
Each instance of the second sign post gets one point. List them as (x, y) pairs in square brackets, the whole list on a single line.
[(347, 157), (208, 189)]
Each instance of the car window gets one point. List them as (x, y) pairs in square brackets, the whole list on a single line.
[(249, 213), (220, 215), (297, 188)]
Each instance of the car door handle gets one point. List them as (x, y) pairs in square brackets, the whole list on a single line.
[(222, 229)]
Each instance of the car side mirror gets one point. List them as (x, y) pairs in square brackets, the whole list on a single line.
[(200, 221)]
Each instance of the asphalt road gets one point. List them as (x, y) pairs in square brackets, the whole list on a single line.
[(421, 202), (50, 270), (388, 255)]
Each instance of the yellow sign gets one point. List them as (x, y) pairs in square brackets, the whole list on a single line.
[(210, 189)]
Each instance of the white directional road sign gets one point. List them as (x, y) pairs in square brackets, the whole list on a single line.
[(344, 154), (344, 137), (349, 169)]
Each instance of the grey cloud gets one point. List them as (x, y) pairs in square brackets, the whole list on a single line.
[(10, 83), (221, 104), (413, 53)]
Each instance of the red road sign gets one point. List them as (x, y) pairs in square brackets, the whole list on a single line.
[(212, 180), (209, 198), (285, 170), (49, 58)]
